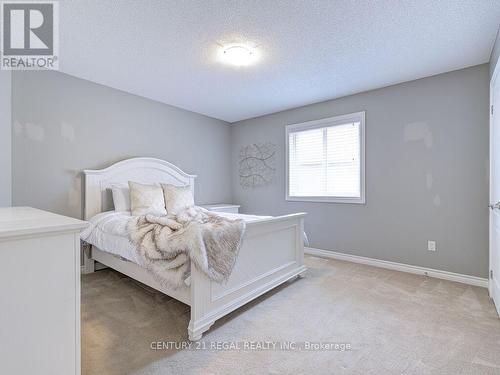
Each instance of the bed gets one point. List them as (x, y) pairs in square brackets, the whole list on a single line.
[(272, 251)]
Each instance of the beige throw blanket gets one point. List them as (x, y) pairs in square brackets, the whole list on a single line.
[(168, 244)]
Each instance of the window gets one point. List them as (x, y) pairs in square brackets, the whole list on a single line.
[(326, 160)]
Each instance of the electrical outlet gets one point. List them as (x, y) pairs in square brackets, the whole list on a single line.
[(431, 245)]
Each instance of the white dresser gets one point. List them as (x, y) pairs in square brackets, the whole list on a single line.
[(39, 292), (222, 207)]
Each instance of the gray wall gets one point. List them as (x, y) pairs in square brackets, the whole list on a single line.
[(427, 173), (63, 125), (427, 160), (494, 54), (5, 139)]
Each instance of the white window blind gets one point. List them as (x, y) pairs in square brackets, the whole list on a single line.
[(325, 159)]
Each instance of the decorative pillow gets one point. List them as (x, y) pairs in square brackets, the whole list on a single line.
[(146, 199), (121, 197), (177, 197)]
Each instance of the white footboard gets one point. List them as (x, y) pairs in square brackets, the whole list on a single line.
[(272, 253)]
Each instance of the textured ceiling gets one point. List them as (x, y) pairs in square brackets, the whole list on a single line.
[(311, 50)]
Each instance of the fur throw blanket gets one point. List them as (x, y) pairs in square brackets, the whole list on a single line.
[(169, 244)]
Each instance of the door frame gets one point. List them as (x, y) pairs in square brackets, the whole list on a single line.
[(494, 77)]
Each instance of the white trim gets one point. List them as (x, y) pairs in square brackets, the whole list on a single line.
[(495, 294), (444, 275), (330, 121), (491, 285), (492, 81)]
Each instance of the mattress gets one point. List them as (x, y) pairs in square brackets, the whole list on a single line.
[(108, 232)]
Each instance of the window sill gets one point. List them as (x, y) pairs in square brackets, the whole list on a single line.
[(361, 200)]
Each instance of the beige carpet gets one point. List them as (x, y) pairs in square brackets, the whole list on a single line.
[(396, 323)]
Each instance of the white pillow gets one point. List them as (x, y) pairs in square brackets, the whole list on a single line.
[(121, 197), (146, 199), (177, 197)]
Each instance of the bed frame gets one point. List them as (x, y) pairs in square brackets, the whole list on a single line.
[(272, 251)]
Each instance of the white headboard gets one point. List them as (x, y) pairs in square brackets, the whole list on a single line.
[(144, 170)]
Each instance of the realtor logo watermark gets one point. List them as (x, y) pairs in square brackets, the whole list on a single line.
[(29, 35)]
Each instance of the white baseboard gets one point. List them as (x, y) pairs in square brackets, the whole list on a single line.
[(445, 275)]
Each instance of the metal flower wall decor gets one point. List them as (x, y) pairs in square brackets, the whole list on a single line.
[(257, 164)]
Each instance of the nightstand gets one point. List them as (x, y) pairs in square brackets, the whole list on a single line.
[(222, 207)]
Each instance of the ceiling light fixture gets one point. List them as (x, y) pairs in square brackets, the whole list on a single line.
[(238, 55)]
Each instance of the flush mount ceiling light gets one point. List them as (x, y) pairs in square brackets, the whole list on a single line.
[(238, 55)]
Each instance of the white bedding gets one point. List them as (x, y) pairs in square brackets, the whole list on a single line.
[(108, 232)]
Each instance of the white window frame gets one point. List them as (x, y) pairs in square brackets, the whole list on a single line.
[(330, 121)]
